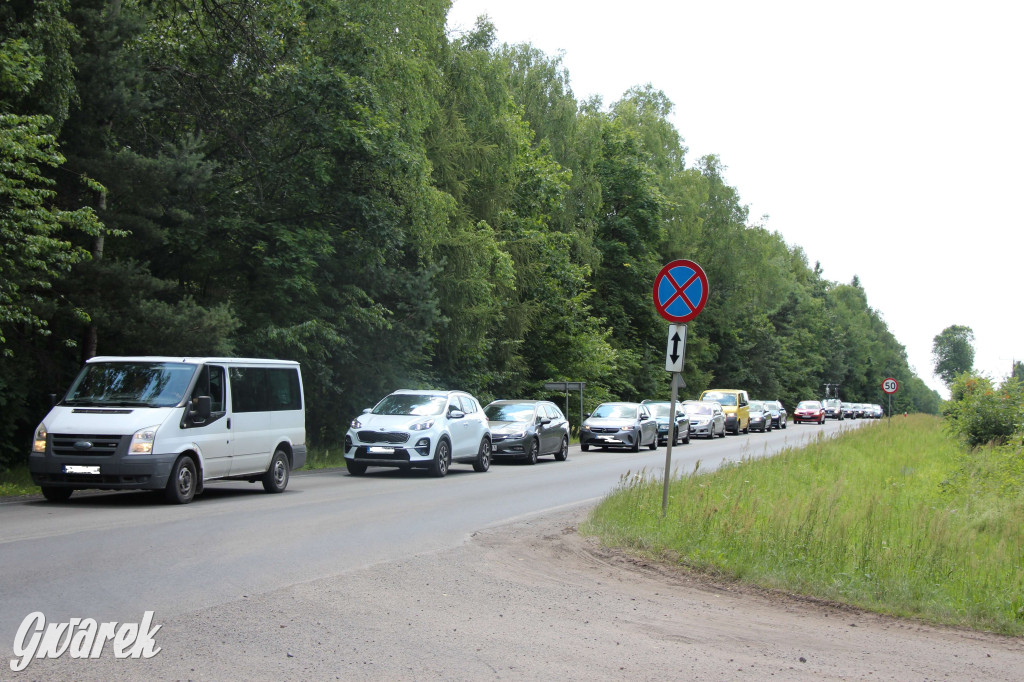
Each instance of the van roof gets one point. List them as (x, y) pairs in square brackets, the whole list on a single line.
[(189, 360)]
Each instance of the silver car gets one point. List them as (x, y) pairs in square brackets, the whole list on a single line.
[(706, 418), (528, 429), (619, 425)]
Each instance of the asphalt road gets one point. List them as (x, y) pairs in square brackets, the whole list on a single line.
[(112, 556)]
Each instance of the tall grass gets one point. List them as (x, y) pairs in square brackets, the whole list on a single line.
[(898, 519)]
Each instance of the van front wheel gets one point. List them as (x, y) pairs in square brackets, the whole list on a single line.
[(181, 486), (275, 480), (54, 494)]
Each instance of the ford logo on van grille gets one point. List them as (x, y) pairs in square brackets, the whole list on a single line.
[(85, 444)]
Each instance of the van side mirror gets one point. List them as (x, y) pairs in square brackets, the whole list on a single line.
[(202, 409)]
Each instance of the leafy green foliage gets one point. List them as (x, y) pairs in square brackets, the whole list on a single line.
[(343, 183), (980, 413), (953, 352)]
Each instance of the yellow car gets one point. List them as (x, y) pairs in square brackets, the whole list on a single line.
[(736, 405)]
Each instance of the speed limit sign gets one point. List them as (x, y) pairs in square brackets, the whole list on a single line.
[(890, 385)]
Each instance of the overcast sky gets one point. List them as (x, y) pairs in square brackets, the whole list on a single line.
[(884, 138)]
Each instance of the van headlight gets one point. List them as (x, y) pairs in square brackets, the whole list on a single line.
[(39, 442), (142, 441)]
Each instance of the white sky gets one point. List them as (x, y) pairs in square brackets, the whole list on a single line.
[(885, 138)]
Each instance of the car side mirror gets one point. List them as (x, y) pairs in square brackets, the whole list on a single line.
[(643, 417), (456, 414), (587, 415), (545, 420), (368, 410), (203, 409)]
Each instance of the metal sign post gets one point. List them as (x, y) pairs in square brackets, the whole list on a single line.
[(680, 292), (565, 387), (890, 386), (677, 383)]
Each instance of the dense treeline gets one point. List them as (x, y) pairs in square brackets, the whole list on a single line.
[(343, 183)]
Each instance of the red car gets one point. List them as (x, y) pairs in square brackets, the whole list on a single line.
[(809, 411)]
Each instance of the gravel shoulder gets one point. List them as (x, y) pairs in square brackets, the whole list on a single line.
[(534, 600)]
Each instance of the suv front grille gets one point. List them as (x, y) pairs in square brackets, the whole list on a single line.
[(383, 437)]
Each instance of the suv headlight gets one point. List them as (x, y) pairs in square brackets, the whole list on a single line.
[(356, 424), (423, 425), (142, 441), (39, 442)]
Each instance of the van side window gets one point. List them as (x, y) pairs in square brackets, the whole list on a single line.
[(216, 388), (211, 383), (265, 389)]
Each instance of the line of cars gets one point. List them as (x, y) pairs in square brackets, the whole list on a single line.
[(434, 429), (817, 411)]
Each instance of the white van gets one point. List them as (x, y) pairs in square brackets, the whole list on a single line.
[(166, 423)]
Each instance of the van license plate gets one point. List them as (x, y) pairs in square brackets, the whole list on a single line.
[(377, 450), (78, 469)]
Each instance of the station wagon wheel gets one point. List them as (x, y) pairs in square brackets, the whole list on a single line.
[(483, 458), (563, 453), (275, 480), (181, 484), (636, 444), (584, 447), (442, 458), (531, 456)]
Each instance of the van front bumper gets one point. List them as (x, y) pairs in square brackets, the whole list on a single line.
[(135, 472)]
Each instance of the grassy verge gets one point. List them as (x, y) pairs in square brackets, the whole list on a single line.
[(897, 519), (17, 481)]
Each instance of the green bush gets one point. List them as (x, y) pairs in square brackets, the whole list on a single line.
[(980, 413)]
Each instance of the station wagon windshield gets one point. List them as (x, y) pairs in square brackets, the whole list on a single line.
[(131, 384), (411, 405), (515, 412), (661, 409)]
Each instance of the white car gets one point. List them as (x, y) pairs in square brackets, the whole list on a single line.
[(420, 429)]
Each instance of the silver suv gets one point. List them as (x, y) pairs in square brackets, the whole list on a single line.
[(420, 429)]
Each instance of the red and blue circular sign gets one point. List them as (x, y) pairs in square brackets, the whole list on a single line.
[(680, 291)]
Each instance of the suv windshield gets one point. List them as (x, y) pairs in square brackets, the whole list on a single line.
[(411, 405), (509, 412), (131, 384)]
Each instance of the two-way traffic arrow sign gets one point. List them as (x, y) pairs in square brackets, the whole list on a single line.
[(676, 351)]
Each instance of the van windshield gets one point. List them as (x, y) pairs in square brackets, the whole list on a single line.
[(131, 384)]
